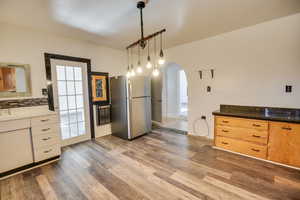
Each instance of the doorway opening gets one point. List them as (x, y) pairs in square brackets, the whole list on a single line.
[(175, 98)]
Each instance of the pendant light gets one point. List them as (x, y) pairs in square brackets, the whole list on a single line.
[(142, 42), (161, 60), (139, 67), (128, 65), (149, 64), (155, 72)]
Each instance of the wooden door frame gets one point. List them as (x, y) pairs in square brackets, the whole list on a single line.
[(48, 57)]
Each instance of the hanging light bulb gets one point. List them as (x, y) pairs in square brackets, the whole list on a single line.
[(128, 74), (161, 59), (149, 64), (155, 72), (139, 67), (132, 72)]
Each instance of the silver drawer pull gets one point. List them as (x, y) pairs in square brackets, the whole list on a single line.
[(46, 129), (48, 151), (287, 128), (256, 136), (48, 138), (45, 120), (224, 143), (256, 125), (256, 150)]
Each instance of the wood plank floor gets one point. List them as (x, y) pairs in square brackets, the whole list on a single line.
[(158, 166)]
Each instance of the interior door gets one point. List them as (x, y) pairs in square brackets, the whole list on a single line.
[(156, 100), (70, 95)]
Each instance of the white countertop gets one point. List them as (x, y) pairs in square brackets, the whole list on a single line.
[(24, 113)]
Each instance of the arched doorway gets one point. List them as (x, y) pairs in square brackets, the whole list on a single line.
[(174, 97)]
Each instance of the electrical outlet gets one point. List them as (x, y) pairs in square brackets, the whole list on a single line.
[(208, 89), (288, 88), (45, 91)]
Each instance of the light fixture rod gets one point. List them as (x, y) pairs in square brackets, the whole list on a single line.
[(142, 23), (146, 38)]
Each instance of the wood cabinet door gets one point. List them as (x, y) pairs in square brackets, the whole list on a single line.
[(284, 143), (1, 80)]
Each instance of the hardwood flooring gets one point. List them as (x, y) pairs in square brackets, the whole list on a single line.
[(158, 166)]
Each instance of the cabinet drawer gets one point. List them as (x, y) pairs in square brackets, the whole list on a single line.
[(44, 153), (48, 119), (46, 140), (252, 135), (242, 123), (248, 148), (6, 126), (45, 129)]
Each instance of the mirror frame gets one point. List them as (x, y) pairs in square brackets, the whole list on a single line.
[(28, 81)]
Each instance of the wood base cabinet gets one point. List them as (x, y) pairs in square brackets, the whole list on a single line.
[(275, 141), (284, 143)]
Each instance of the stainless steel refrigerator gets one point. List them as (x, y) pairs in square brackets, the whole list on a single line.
[(130, 106)]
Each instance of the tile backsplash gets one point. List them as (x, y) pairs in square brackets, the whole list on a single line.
[(28, 102)]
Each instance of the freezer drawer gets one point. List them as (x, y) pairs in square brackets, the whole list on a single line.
[(140, 116)]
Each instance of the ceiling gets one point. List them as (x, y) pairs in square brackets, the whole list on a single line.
[(115, 23)]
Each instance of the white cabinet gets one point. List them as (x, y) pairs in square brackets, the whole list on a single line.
[(15, 149)]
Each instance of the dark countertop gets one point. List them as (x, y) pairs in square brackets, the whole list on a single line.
[(261, 113)]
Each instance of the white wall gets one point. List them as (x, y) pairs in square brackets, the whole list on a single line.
[(172, 87), (27, 46), (252, 66)]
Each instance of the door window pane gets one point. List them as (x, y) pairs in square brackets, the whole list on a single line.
[(77, 73), (70, 86), (80, 115), (78, 87), (74, 130), (60, 71), (81, 128), (71, 102), (65, 131), (63, 103), (69, 73), (64, 117), (61, 86), (72, 116), (79, 101)]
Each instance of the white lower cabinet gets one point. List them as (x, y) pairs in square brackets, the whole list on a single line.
[(28, 141), (15, 149)]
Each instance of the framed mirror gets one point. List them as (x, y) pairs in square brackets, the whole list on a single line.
[(14, 80)]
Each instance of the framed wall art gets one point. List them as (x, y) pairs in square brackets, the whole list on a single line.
[(100, 88)]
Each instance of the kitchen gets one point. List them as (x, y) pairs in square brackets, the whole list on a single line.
[(243, 101)]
